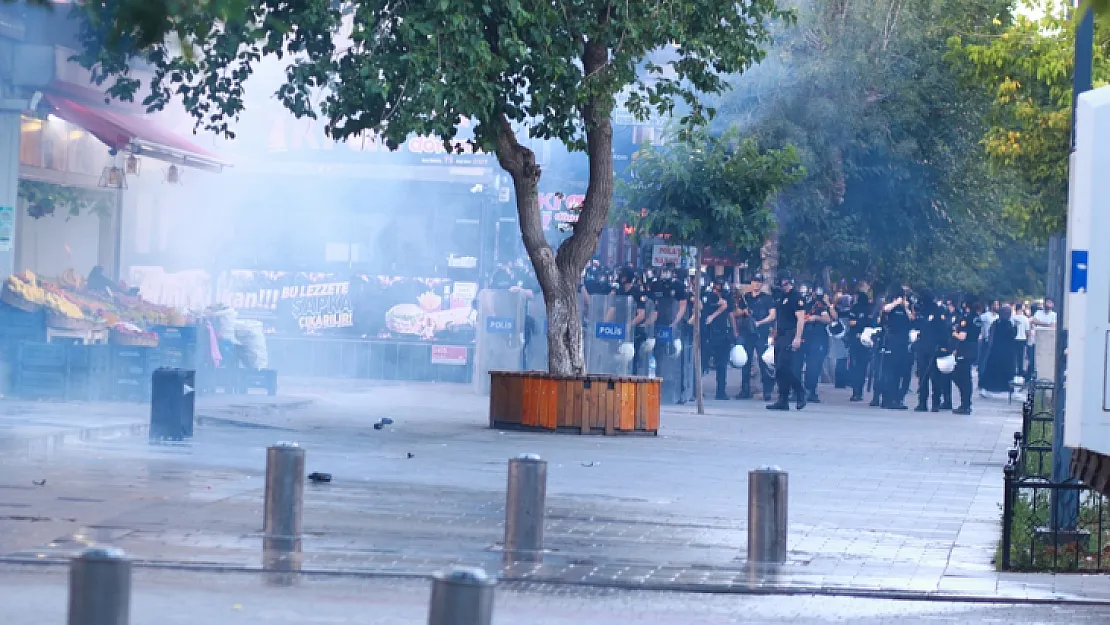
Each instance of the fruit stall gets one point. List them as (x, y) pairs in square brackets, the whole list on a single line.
[(66, 339)]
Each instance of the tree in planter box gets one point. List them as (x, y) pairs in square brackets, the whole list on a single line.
[(553, 70), (706, 191)]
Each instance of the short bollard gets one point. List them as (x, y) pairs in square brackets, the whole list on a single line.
[(525, 500), (767, 498), (100, 588), (283, 509), (461, 597)]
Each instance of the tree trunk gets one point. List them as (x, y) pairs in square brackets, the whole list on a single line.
[(558, 273), (699, 382)]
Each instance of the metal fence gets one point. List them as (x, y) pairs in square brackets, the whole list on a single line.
[(1048, 526), (367, 359)]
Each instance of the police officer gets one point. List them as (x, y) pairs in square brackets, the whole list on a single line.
[(718, 331), (966, 336), (689, 367), (753, 325), (628, 307), (669, 294), (930, 321), (897, 323), (789, 316), (942, 382), (859, 355), (815, 339)]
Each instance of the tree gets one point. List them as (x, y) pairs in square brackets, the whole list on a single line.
[(706, 191), (553, 70), (897, 185), (1027, 71)]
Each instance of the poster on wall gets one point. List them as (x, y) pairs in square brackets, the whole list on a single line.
[(364, 306)]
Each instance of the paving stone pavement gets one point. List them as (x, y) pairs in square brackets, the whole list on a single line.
[(880, 502), (33, 596)]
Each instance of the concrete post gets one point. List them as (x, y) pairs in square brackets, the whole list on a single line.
[(100, 588), (283, 509), (525, 500), (767, 524), (461, 597)]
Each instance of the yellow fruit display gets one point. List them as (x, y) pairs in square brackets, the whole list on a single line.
[(28, 290), (62, 306)]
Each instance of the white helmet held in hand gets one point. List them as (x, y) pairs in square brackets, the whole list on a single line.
[(738, 357), (946, 364), (627, 352), (769, 356), (865, 337), (649, 345)]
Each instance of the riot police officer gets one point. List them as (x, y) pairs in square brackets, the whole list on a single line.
[(897, 323), (789, 316), (668, 293), (628, 306), (815, 341), (929, 337), (966, 337), (717, 331), (859, 355), (753, 325)]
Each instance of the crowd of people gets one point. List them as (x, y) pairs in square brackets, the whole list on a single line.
[(791, 333), (794, 335)]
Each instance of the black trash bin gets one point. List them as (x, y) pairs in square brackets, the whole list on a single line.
[(172, 404)]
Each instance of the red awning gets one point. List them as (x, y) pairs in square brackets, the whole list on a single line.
[(123, 131)]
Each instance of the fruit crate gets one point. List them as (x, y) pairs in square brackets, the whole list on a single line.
[(177, 337), (250, 379), (89, 366), (174, 357), (41, 384), (43, 356), (128, 361)]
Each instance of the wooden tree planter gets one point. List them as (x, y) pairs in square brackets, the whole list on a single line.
[(595, 404)]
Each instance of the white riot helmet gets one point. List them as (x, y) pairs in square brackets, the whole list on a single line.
[(865, 337), (738, 357), (836, 330), (627, 352), (946, 364), (649, 345), (914, 334), (769, 356), (676, 345)]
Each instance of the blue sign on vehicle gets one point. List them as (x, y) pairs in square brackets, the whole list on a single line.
[(500, 325), (610, 331), (665, 333)]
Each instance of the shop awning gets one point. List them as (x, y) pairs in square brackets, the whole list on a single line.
[(132, 133)]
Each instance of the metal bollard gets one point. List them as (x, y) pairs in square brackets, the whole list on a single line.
[(461, 597), (525, 500), (283, 510), (100, 588), (767, 526)]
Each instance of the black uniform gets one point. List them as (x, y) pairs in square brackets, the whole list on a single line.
[(815, 344), (630, 302), (896, 355), (669, 295), (942, 382), (751, 310), (787, 306), (859, 355), (966, 352), (929, 337), (717, 340)]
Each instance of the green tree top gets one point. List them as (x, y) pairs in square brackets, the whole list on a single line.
[(706, 190)]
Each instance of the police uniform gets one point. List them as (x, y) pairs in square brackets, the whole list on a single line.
[(717, 338), (942, 382), (815, 345), (628, 304), (968, 324), (859, 355), (896, 355), (754, 337), (788, 304), (669, 295)]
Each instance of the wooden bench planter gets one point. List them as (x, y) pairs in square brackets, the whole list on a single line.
[(595, 404)]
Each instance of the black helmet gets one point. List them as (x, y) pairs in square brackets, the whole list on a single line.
[(757, 277), (786, 278)]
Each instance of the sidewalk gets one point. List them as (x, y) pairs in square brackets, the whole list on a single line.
[(882, 503), (55, 422)]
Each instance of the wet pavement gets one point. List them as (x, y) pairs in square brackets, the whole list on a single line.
[(33, 596), (882, 504)]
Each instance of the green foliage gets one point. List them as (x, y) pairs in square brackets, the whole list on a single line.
[(1026, 70), (897, 186), (417, 67), (44, 198), (705, 190)]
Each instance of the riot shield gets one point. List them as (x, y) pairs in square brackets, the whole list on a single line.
[(500, 335), (608, 337), (535, 334), (668, 350), (643, 339)]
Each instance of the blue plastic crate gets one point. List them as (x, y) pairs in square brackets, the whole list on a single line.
[(89, 358), (41, 384), (258, 379), (176, 336), (131, 362), (174, 357), (43, 356), (11, 317)]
